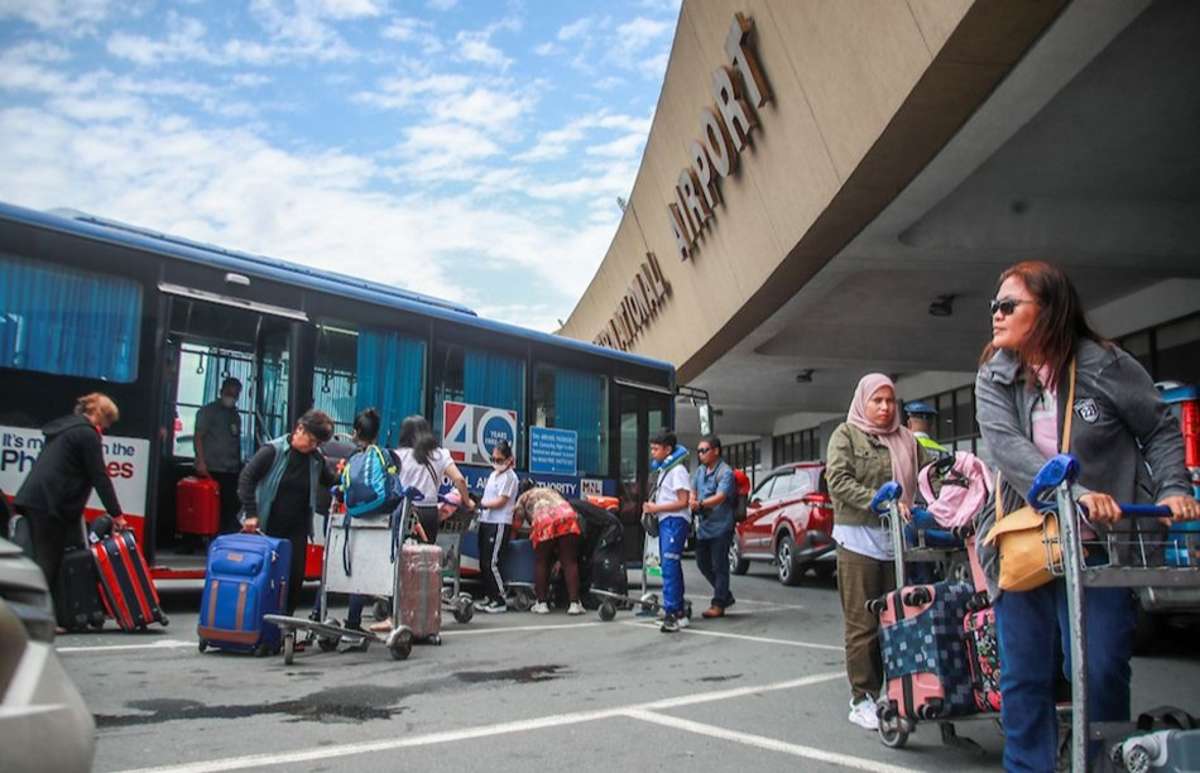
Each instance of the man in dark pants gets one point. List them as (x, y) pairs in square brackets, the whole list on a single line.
[(278, 490), (218, 442), (713, 494)]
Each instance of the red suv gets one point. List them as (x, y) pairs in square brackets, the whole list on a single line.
[(789, 521)]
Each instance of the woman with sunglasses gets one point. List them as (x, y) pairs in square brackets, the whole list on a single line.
[(1120, 431)]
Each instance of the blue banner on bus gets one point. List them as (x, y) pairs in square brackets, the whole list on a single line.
[(570, 486)]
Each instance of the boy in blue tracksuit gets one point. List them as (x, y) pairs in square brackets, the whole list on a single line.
[(669, 499)]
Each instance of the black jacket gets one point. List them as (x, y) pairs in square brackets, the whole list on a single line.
[(69, 466)]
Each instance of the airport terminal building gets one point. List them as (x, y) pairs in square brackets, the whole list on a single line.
[(832, 188)]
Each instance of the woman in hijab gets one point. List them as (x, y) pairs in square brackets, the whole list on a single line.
[(865, 452)]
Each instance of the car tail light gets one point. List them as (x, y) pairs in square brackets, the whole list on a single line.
[(820, 515)]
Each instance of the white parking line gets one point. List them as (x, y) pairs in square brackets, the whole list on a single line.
[(161, 644), (763, 742), (746, 637), (451, 736), (516, 628)]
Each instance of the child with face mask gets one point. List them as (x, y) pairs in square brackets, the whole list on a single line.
[(495, 525)]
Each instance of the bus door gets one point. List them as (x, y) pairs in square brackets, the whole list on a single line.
[(642, 414), (208, 342)]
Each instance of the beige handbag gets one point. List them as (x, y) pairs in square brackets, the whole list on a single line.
[(1028, 540)]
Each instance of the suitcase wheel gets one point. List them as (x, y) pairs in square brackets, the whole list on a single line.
[(435, 640), (97, 624), (607, 611), (916, 597), (382, 609), (163, 619), (289, 648), (875, 606)]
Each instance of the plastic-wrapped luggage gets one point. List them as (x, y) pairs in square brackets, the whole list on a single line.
[(126, 588), (924, 656), (421, 589), (246, 578), (197, 506)]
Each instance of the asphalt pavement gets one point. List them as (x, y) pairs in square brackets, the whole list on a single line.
[(762, 689)]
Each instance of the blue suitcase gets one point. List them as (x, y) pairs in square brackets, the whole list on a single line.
[(246, 578)]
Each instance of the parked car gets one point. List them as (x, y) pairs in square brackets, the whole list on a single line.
[(789, 522), (38, 701)]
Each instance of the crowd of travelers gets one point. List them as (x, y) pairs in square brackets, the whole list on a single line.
[(1128, 444)]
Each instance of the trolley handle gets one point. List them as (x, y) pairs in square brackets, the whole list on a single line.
[(887, 494), (1063, 470)]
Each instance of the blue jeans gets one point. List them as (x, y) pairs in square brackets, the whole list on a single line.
[(354, 614), (1031, 624), (672, 536), (712, 558)]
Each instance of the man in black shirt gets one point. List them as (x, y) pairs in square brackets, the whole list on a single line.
[(278, 490)]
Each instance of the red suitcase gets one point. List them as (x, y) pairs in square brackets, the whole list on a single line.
[(125, 586), (198, 506), (421, 590)]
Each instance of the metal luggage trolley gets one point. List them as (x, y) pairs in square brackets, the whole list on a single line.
[(450, 538), (1181, 569), (894, 729), (372, 547)]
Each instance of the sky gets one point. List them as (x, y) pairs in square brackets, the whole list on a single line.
[(473, 150)]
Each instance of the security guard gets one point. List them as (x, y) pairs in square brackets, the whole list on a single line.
[(920, 420)]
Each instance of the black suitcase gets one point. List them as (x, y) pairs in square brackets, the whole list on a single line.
[(77, 603)]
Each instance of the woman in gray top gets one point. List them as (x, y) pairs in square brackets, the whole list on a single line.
[(1129, 449)]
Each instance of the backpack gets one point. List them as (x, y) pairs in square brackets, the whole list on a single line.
[(371, 483), (742, 500)]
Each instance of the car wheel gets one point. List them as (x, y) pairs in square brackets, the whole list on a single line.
[(786, 564), (737, 564)]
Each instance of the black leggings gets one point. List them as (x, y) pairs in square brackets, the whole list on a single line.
[(51, 537), (492, 537)]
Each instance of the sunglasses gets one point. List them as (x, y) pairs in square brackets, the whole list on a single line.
[(703, 450), (1006, 306)]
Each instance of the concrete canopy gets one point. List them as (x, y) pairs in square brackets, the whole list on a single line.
[(1083, 152)]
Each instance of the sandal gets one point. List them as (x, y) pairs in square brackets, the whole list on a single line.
[(383, 626)]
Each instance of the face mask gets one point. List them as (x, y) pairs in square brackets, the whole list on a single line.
[(500, 466), (228, 402)]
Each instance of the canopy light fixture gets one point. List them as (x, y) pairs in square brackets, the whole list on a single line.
[(942, 306), (805, 376)]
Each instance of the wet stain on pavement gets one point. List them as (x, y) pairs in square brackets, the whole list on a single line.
[(721, 678), (526, 675), (353, 703)]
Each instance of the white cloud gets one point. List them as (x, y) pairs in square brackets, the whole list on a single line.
[(184, 41), (636, 34), (576, 29), (627, 146), (250, 80), (416, 31), (404, 91), (441, 5), (556, 143), (351, 9), (476, 47), (548, 49), (75, 16)]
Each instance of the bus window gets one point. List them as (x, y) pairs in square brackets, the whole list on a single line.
[(201, 371), (467, 375), (391, 377), (573, 399), (335, 372), (60, 320)]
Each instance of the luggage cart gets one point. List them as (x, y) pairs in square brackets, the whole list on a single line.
[(374, 552), (1052, 489), (647, 604), (930, 547), (450, 539)]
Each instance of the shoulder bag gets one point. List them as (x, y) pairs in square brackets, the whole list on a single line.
[(1028, 540)]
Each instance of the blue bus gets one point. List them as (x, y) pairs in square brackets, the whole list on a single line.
[(157, 322)]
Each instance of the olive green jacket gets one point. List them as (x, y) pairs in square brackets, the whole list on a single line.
[(856, 465)]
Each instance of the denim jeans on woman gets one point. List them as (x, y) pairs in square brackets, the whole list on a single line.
[(1031, 624)]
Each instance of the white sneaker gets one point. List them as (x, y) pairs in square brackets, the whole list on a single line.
[(540, 608), (575, 609), (684, 621), (863, 714)]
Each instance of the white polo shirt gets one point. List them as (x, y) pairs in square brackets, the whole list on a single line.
[(669, 485)]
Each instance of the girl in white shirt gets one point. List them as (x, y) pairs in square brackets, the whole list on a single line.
[(423, 465), (495, 525)]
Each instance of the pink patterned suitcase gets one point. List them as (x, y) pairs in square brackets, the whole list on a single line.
[(421, 590)]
